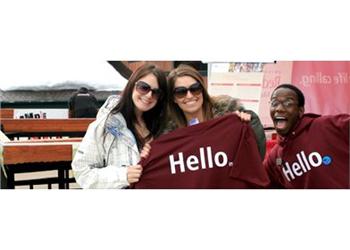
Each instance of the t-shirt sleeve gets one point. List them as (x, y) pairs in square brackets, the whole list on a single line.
[(337, 125), (341, 122)]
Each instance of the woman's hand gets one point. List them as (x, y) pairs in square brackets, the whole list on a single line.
[(245, 117), (134, 173), (146, 150)]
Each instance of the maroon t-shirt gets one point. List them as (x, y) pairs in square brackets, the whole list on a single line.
[(314, 155), (220, 153)]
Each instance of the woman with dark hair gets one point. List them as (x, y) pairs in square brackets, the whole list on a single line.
[(190, 103), (108, 155), (199, 107)]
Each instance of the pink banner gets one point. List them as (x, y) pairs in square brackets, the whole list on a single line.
[(326, 86), (274, 75)]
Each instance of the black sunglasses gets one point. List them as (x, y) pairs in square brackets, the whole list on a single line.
[(143, 88), (195, 89)]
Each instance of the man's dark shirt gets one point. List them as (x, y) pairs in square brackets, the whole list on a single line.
[(83, 105)]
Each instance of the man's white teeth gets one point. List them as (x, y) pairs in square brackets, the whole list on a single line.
[(280, 118)]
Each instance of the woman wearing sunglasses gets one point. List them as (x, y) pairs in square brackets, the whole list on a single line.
[(108, 155), (191, 104)]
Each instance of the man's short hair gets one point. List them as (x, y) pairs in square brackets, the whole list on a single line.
[(83, 89), (300, 95)]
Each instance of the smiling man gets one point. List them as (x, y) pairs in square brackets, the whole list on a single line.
[(313, 150)]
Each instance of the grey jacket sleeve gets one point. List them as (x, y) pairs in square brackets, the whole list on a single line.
[(259, 132)]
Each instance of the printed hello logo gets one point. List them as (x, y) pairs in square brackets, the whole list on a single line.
[(205, 160), (304, 164)]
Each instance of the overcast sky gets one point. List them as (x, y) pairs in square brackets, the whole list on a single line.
[(42, 74)]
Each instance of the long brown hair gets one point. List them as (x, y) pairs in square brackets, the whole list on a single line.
[(154, 118), (175, 112)]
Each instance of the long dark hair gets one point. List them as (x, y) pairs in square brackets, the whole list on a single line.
[(176, 113), (154, 118)]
